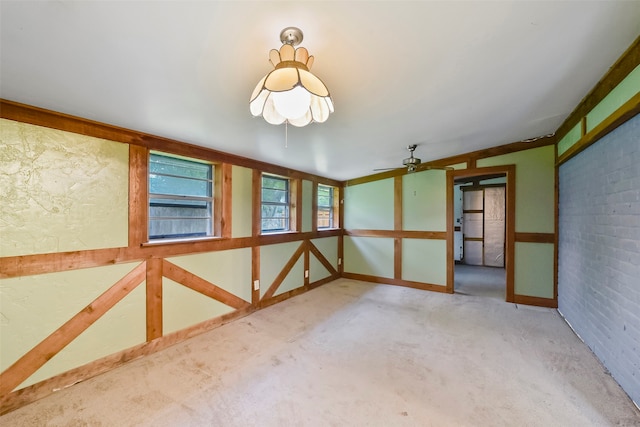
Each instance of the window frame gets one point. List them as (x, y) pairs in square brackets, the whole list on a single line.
[(332, 208), (290, 218), (212, 200)]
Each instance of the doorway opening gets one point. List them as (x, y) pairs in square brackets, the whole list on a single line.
[(480, 231)]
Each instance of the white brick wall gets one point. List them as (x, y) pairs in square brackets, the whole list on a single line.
[(599, 251)]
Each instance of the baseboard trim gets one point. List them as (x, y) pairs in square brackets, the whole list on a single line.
[(538, 301), (396, 282)]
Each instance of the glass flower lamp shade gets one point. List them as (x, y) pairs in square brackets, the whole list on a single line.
[(291, 93)]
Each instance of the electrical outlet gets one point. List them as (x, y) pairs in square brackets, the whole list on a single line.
[(339, 261), (306, 274), (256, 285)]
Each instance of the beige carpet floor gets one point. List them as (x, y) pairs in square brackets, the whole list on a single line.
[(358, 354)]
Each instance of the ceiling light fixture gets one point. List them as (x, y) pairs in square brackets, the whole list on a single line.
[(291, 93)]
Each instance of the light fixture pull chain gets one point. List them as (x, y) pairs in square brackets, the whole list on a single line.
[(286, 134)]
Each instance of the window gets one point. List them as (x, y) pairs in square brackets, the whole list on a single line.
[(180, 198), (327, 207), (276, 209)]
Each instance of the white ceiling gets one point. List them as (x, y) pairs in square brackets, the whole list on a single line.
[(450, 76)]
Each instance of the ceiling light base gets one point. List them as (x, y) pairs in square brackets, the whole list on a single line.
[(291, 35)]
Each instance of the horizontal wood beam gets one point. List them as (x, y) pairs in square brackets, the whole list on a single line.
[(396, 282), (28, 265), (535, 237), (402, 234), (537, 301)]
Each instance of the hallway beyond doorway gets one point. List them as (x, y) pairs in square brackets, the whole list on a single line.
[(480, 281)]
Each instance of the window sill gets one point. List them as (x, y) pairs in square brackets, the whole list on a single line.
[(271, 233), (178, 241)]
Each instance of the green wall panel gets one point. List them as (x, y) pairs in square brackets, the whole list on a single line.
[(242, 180), (569, 139), (424, 201), (307, 207), (424, 261), (229, 270), (534, 269), (294, 279), (183, 307), (272, 260), (369, 206), (328, 247), (33, 307), (368, 255), (535, 185)]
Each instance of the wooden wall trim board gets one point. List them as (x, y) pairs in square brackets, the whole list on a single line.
[(397, 226), (29, 363), (396, 282), (537, 301), (154, 298), (223, 203), (29, 265), (450, 182), (138, 195), (41, 117), (535, 237), (19, 398), (629, 60), (399, 234), (626, 112)]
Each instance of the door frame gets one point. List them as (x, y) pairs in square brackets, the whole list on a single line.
[(510, 222)]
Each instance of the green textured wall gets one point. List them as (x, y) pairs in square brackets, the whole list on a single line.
[(534, 269), (272, 260), (569, 139), (183, 307), (242, 180), (535, 185), (424, 201), (424, 261), (369, 206), (368, 255), (328, 247), (60, 191)]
